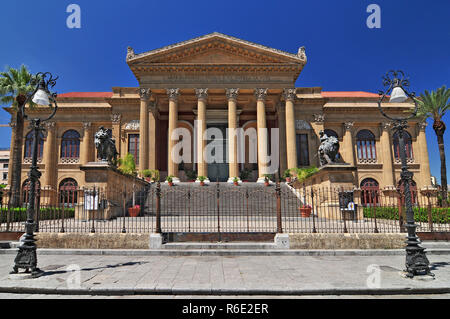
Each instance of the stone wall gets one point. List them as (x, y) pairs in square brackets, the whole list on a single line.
[(347, 241), (92, 241)]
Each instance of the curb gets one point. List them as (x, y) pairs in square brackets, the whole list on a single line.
[(224, 291), (222, 252)]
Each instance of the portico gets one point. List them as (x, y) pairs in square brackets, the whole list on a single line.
[(221, 75)]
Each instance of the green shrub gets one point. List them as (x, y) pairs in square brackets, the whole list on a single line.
[(20, 214), (438, 215)]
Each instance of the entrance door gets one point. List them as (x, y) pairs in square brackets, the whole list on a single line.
[(218, 171)]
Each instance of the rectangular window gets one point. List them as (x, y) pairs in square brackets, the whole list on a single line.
[(5, 176), (5, 165), (133, 146), (302, 150)]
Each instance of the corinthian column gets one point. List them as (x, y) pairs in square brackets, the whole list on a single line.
[(289, 96), (347, 141), (86, 147), (202, 166), (143, 128), (50, 156), (232, 139), (173, 123), (424, 160), (388, 167), (152, 135), (261, 95)]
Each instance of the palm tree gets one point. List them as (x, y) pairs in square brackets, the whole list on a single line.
[(434, 105), (15, 85)]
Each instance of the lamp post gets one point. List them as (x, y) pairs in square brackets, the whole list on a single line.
[(395, 83), (26, 257)]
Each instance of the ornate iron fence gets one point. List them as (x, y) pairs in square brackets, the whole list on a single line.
[(224, 208)]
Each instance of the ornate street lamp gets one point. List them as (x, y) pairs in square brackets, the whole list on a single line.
[(416, 260), (26, 257)]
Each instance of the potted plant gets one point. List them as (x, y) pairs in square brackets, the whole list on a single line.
[(169, 180), (245, 174), (155, 175), (267, 178), (236, 181), (191, 175), (134, 211), (287, 175), (202, 180), (305, 210), (147, 174)]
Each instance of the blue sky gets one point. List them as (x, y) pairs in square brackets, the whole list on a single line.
[(343, 53)]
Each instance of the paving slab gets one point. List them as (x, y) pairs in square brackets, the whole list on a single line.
[(226, 275)]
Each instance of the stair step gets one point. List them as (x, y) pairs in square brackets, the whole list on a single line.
[(436, 244), (240, 246)]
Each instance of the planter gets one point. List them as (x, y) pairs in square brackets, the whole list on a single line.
[(148, 179), (236, 183), (266, 183), (202, 183), (288, 179), (134, 211), (305, 211), (170, 183)]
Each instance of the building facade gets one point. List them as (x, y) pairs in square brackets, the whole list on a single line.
[(221, 82), (4, 165)]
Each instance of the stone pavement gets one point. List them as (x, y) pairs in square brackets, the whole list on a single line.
[(225, 275)]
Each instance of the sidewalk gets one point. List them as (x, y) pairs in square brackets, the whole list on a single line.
[(224, 275)]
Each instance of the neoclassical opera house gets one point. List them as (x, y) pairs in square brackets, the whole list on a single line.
[(224, 82)]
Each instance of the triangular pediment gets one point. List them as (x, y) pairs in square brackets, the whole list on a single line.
[(215, 48)]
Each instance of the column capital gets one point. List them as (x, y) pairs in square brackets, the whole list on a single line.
[(348, 126), (145, 94), (173, 94), (13, 124), (202, 94), (261, 94), (50, 125), (319, 118), (386, 126), (290, 94), (87, 125), (422, 125), (232, 94), (115, 118)]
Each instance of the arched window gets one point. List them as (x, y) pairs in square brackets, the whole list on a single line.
[(28, 151), (70, 144), (365, 142), (68, 192), (329, 132), (412, 190), (370, 190), (408, 146)]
